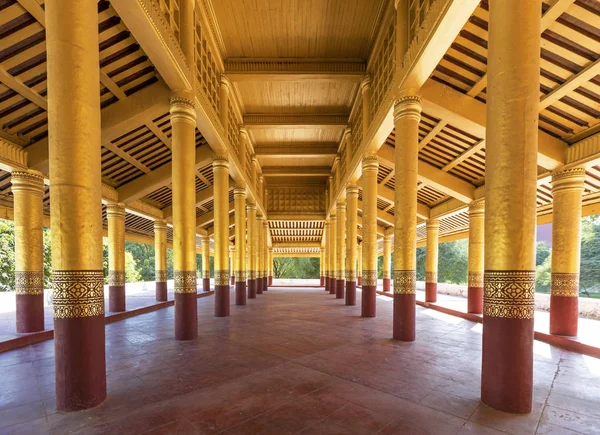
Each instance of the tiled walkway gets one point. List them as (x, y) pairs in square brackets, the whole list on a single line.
[(297, 361)]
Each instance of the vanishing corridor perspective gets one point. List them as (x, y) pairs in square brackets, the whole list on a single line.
[(247, 130)]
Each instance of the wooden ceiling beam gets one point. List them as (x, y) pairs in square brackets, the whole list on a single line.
[(292, 121), (209, 218), (464, 156), (312, 150), (388, 195), (22, 89), (305, 171), (239, 70), (201, 197), (584, 76)]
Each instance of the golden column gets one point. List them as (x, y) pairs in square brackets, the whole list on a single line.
[(239, 198), (567, 188), (510, 219), (260, 260), (475, 278), (326, 253), (370, 167), (351, 230), (28, 191), (407, 115), (231, 263), (270, 266), (265, 255), (334, 257), (160, 259), (432, 228), (205, 245), (76, 207), (252, 249), (115, 213), (341, 249), (387, 261), (221, 257), (183, 122), (359, 264), (321, 266)]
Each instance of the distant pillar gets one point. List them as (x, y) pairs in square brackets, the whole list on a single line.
[(370, 167), (232, 264), (476, 239), (221, 257), (28, 190), (567, 188), (265, 256), (76, 206), (513, 95), (432, 228), (334, 263), (205, 245), (260, 260), (351, 215), (327, 254), (270, 266), (239, 198), (115, 214), (407, 115), (321, 266), (359, 257), (387, 261), (160, 259), (341, 249), (252, 250)]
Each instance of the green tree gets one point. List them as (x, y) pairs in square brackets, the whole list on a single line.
[(453, 262), (132, 273), (47, 258), (542, 275), (542, 251), (590, 254), (294, 267), (7, 255), (143, 255)]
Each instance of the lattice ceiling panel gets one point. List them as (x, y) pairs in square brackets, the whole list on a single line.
[(298, 250)]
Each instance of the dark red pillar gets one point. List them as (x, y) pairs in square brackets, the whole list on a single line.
[(252, 289), (351, 292), (369, 293), (405, 310), (340, 287)]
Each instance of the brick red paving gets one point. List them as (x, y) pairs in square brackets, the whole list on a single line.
[(297, 361)]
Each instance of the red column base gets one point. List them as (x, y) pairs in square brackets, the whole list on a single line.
[(265, 284), (350, 292), (475, 300), (431, 292), (386, 284), (206, 284), (252, 289), (405, 311), (340, 287), (186, 316), (507, 364), (116, 298), (322, 280), (271, 280), (80, 362), (221, 301), (30, 313), (161, 291), (240, 293), (259, 286), (368, 303), (327, 284), (564, 315), (359, 281)]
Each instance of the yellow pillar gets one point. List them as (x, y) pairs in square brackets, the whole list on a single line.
[(321, 266), (270, 267), (475, 278), (252, 250), (359, 256), (432, 228), (366, 104), (407, 115), (334, 258), (76, 207), (265, 255), (160, 259), (239, 198), (370, 167), (510, 220), (221, 257), (351, 237), (341, 248), (567, 188), (387, 261), (260, 262), (326, 254), (115, 213), (205, 246), (28, 191)]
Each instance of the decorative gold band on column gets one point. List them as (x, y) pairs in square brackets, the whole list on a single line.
[(30, 181), (406, 107), (183, 109), (240, 275), (160, 224), (29, 282), (477, 208), (185, 281), (568, 179), (116, 277), (77, 293), (564, 284), (350, 275), (160, 275), (475, 279), (405, 282), (222, 277), (370, 163), (251, 274), (431, 277), (509, 294), (369, 277), (387, 275), (115, 209)]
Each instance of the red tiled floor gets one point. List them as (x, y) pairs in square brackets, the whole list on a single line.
[(297, 361)]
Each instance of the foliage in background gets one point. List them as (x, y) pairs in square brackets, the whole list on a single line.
[(453, 264), (295, 267), (7, 255)]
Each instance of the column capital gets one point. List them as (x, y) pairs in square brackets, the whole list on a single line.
[(340, 205), (477, 208), (115, 209), (432, 224), (370, 163), (251, 206), (408, 106), (220, 161), (183, 109), (348, 131), (160, 225), (225, 83), (387, 238), (365, 84), (239, 191), (243, 131), (568, 179), (30, 180), (352, 191)]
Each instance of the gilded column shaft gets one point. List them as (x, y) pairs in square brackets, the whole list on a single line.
[(76, 207), (115, 213), (510, 218), (407, 115), (326, 254), (252, 251), (359, 257), (221, 257), (567, 188), (265, 255), (260, 259), (205, 247), (370, 167), (351, 237), (160, 259), (341, 249), (387, 259), (28, 190), (239, 197), (333, 245), (432, 229), (476, 240), (270, 267)]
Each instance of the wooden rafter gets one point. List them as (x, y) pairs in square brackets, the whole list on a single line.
[(464, 156)]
